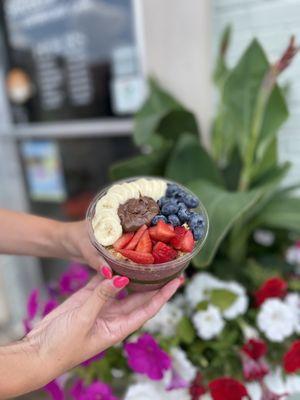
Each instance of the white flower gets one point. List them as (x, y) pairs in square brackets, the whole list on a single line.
[(165, 321), (196, 291), (154, 391), (249, 332), (276, 320), (240, 305), (208, 323), (292, 255), (182, 364), (179, 301), (205, 396), (264, 237), (293, 384), (254, 390), (293, 301)]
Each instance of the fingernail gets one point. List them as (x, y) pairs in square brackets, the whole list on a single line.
[(120, 281), (106, 272)]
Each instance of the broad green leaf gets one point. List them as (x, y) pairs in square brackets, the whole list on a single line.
[(222, 298), (185, 331), (282, 212), (224, 209), (221, 69), (176, 122), (158, 104), (148, 164), (190, 161)]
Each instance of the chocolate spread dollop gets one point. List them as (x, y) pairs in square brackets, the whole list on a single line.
[(137, 212)]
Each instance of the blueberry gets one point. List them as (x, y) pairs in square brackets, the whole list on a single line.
[(180, 195), (198, 232), (174, 220), (183, 213), (162, 201), (158, 218), (196, 221), (191, 201), (172, 189), (169, 208)]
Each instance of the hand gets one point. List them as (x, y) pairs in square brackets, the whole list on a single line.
[(92, 320), (78, 247)]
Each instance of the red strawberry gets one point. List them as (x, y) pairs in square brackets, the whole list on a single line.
[(187, 243), (123, 241), (163, 253), (145, 244), (180, 232), (139, 258), (136, 238), (162, 232)]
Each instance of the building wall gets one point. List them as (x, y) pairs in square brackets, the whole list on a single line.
[(176, 44), (273, 22)]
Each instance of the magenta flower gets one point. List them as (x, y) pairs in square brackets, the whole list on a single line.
[(73, 279), (92, 359), (33, 304), (49, 306), (146, 357), (54, 390), (177, 382), (97, 390)]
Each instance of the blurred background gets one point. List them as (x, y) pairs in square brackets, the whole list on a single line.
[(73, 73)]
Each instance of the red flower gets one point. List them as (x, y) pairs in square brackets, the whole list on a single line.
[(273, 287), (291, 360), (197, 389), (255, 348), (227, 388)]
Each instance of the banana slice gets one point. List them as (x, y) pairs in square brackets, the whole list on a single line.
[(121, 192), (103, 213), (133, 190), (109, 201), (144, 186), (108, 230)]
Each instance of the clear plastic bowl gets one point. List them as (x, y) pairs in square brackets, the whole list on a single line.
[(151, 276)]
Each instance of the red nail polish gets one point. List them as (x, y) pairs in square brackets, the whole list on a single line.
[(120, 281), (106, 272)]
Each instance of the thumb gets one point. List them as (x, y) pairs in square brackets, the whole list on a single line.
[(105, 291), (94, 259)]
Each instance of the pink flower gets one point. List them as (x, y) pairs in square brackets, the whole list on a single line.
[(255, 348), (227, 388), (254, 365), (96, 390), (146, 357), (177, 382), (92, 359), (49, 306), (33, 303), (54, 390), (73, 279)]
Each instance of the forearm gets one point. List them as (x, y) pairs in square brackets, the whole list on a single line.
[(25, 234), (21, 370)]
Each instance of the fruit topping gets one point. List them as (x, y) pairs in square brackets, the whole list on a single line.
[(180, 232), (174, 220), (145, 243), (169, 208), (187, 244), (183, 213), (163, 253), (137, 257), (157, 218), (123, 241), (162, 232), (136, 238)]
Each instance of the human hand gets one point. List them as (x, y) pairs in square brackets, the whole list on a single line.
[(77, 246), (92, 320)]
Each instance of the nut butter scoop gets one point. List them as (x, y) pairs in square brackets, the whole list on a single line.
[(137, 212)]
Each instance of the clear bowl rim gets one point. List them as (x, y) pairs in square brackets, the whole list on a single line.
[(134, 266)]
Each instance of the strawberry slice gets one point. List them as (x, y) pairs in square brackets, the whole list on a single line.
[(145, 243), (162, 232), (163, 253), (136, 238), (139, 258), (188, 242), (123, 241), (180, 232)]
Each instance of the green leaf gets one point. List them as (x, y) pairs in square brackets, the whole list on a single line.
[(224, 209), (158, 104), (222, 298), (282, 212), (185, 331), (190, 161), (176, 122), (148, 164), (294, 285), (221, 69)]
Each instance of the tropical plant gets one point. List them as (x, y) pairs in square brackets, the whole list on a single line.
[(239, 179)]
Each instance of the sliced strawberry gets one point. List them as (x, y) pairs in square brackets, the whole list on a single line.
[(162, 232), (188, 242), (123, 241), (180, 232), (136, 238), (145, 244), (139, 258), (163, 253)]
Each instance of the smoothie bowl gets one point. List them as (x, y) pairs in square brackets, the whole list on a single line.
[(148, 229)]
